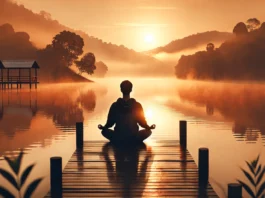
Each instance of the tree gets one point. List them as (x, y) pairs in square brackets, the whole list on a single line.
[(210, 47), (253, 24), (240, 29), (86, 64), (69, 46), (262, 27), (101, 69)]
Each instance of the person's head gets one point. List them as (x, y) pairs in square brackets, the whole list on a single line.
[(126, 87)]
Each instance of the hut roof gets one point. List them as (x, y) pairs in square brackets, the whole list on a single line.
[(14, 64)]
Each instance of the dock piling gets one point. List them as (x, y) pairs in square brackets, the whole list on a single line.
[(56, 177), (79, 135), (183, 133), (234, 190), (203, 167)]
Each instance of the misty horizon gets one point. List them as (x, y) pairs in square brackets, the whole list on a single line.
[(145, 22)]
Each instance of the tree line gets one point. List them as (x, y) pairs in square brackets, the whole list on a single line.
[(239, 58), (56, 59)]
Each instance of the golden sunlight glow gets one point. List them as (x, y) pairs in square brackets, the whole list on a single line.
[(149, 38), (149, 114)]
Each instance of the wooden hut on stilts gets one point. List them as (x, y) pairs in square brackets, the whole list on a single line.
[(18, 73)]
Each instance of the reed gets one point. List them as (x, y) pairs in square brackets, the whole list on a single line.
[(255, 187), (17, 178)]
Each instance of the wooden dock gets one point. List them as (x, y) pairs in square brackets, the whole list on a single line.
[(155, 169)]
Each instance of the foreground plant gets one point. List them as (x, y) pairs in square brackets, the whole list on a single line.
[(19, 180), (256, 189)]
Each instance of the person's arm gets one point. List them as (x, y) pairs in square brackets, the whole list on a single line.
[(141, 118), (111, 117)]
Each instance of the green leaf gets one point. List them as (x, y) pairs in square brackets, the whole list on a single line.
[(259, 168), (9, 178), (260, 176), (261, 190), (32, 187), (250, 167), (247, 188), (25, 174), (249, 177), (5, 193)]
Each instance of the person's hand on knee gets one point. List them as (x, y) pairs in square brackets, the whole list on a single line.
[(101, 127), (153, 126)]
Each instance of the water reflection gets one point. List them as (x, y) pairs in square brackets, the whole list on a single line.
[(32, 118), (16, 106), (242, 104), (127, 173), (64, 109)]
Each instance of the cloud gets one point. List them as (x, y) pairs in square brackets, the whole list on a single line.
[(98, 26), (156, 8), (143, 24)]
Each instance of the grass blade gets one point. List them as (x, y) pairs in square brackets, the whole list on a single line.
[(247, 188), (249, 177), (18, 162), (260, 176), (11, 163), (5, 193), (250, 167), (259, 168), (25, 174), (261, 189), (255, 162), (32, 187), (9, 178)]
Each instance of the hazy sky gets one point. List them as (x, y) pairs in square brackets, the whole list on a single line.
[(145, 24)]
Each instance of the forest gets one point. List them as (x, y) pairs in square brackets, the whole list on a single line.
[(239, 58)]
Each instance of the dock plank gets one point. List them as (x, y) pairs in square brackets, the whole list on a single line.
[(161, 169)]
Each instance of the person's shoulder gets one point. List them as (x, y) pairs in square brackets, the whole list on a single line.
[(114, 104), (138, 104)]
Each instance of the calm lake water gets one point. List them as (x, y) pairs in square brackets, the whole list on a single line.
[(228, 118)]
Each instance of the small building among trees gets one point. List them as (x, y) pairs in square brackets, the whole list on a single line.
[(13, 72)]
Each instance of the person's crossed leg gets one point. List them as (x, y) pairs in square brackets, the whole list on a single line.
[(113, 136)]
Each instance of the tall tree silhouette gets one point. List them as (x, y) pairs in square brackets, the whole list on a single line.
[(87, 63), (240, 29), (69, 45), (253, 24), (210, 47)]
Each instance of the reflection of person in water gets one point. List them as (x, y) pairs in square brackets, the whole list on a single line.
[(126, 175), (126, 113)]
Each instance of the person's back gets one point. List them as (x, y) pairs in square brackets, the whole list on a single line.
[(126, 113)]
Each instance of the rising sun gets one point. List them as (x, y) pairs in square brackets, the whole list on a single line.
[(149, 38)]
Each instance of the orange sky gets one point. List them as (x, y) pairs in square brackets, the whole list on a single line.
[(128, 22)]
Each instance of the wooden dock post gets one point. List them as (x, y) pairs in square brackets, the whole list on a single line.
[(56, 177), (79, 135), (234, 190), (203, 167), (183, 133)]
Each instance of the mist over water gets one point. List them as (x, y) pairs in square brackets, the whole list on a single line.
[(226, 117)]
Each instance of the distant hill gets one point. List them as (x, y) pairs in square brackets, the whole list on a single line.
[(192, 41), (42, 28), (239, 58), (17, 46)]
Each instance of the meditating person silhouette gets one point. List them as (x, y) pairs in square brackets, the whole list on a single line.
[(126, 113)]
